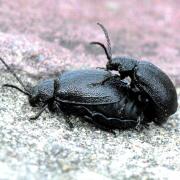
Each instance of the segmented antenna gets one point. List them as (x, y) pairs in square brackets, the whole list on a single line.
[(103, 46), (18, 79), (107, 39), (15, 87), (107, 50)]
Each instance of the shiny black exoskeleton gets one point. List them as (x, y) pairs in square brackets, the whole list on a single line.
[(103, 98), (96, 94), (155, 87)]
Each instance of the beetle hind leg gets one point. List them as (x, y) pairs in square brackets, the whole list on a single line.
[(97, 125), (114, 123), (106, 123), (90, 118)]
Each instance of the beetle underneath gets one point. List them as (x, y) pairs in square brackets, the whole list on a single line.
[(110, 105), (106, 99)]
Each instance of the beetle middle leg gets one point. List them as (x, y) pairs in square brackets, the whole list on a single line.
[(56, 107)]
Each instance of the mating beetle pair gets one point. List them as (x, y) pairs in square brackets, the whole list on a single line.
[(105, 99)]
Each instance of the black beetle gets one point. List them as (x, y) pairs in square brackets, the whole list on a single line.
[(96, 94), (103, 98), (152, 83)]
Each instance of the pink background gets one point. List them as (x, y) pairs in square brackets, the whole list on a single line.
[(54, 35)]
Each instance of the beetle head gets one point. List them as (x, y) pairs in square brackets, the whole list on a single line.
[(42, 93), (38, 95), (121, 64)]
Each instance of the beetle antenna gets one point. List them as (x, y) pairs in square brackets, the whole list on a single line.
[(107, 39), (107, 50), (103, 46), (15, 87), (18, 79)]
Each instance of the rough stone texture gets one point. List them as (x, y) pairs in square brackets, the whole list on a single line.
[(41, 38)]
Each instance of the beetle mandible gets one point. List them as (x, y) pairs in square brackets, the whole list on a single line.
[(150, 81)]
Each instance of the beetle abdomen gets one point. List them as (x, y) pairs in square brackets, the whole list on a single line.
[(124, 109)]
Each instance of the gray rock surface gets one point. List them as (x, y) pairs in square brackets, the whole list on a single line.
[(42, 37)]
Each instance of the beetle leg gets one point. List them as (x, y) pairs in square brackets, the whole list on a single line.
[(39, 113), (105, 80), (139, 125), (108, 123), (68, 121), (56, 107), (83, 110), (101, 82), (97, 125), (90, 118), (114, 122)]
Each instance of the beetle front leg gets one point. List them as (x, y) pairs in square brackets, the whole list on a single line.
[(39, 113), (105, 80)]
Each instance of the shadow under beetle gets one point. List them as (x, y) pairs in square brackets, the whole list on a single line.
[(104, 98)]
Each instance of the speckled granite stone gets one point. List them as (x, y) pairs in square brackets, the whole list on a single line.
[(41, 38)]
